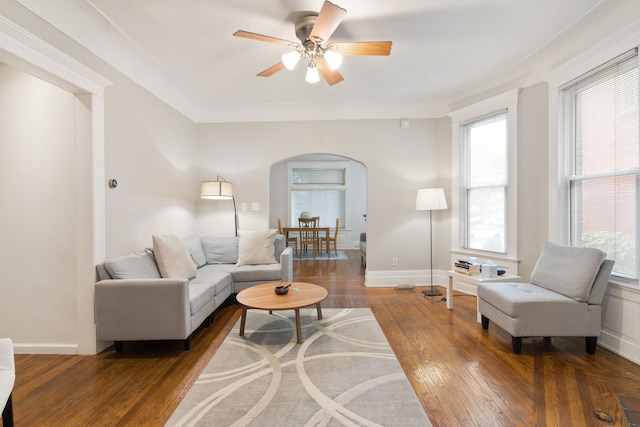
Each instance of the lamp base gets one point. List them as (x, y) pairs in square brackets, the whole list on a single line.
[(432, 292)]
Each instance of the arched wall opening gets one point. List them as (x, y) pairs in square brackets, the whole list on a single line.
[(355, 195)]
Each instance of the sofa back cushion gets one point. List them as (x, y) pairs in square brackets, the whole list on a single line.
[(256, 247), (140, 265), (567, 270), (194, 246), (279, 246), (220, 250), (174, 260)]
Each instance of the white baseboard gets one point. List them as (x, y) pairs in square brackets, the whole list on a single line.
[(624, 348), (45, 348), (393, 278)]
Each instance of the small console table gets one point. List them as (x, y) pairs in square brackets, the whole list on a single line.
[(471, 282)]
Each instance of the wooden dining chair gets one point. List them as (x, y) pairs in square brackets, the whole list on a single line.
[(328, 239), (288, 239), (308, 232)]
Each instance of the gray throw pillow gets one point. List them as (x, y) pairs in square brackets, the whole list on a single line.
[(140, 265)]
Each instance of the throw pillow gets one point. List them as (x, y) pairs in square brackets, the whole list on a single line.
[(256, 247), (140, 265), (174, 260)]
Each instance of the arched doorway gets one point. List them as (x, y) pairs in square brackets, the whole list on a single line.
[(327, 168)]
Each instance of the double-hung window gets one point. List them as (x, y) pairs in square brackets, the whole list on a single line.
[(599, 116), (484, 182), (485, 199)]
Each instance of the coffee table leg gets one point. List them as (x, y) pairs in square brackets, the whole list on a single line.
[(243, 320), (298, 328), (319, 311)]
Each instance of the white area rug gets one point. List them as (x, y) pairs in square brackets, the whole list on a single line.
[(343, 374)]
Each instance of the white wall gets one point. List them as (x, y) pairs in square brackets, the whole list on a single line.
[(38, 190), (150, 149)]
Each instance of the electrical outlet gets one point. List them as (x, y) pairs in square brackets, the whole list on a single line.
[(394, 262)]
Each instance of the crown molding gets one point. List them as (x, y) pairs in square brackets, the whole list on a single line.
[(27, 47)]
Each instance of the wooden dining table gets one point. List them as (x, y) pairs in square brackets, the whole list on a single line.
[(318, 230)]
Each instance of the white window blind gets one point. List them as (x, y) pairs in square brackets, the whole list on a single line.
[(601, 128), (319, 188), (485, 182)]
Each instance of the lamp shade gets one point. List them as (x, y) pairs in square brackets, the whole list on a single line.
[(431, 199), (216, 190)]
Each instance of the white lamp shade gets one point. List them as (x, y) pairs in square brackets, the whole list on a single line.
[(312, 75), (216, 190), (290, 60), (333, 59), (431, 199)]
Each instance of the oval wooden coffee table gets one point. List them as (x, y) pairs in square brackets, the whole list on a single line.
[(263, 297)]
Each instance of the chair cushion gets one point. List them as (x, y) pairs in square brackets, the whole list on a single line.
[(7, 370), (567, 270), (174, 260)]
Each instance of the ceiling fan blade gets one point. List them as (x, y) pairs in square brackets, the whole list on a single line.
[(331, 76), (361, 48), (263, 38), (272, 70), (328, 20)]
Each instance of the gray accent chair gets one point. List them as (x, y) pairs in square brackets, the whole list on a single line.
[(563, 298), (7, 379), (363, 248)]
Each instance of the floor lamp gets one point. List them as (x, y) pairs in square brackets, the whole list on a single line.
[(218, 190), (431, 199)]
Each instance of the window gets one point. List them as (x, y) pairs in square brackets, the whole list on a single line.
[(599, 115), (485, 182), (319, 188)]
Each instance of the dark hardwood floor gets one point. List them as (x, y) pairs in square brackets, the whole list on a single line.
[(463, 375)]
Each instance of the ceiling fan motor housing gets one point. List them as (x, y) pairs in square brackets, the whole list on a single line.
[(304, 26)]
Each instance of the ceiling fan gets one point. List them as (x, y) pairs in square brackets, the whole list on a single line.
[(313, 31)]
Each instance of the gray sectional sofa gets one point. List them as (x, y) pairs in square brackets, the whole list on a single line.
[(136, 299)]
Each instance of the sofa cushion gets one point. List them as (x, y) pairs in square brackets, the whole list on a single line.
[(256, 247), (194, 246), (140, 265), (200, 293), (174, 260), (567, 270), (220, 250), (219, 279), (258, 273)]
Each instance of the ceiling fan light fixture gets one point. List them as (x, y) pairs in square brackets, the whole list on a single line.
[(290, 59), (333, 59), (312, 74)]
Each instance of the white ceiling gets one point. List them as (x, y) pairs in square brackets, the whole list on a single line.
[(183, 51)]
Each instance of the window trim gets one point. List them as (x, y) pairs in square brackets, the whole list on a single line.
[(506, 101)]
